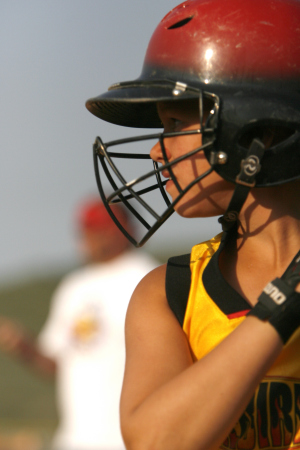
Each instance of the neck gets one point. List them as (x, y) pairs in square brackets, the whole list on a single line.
[(270, 220), (268, 239)]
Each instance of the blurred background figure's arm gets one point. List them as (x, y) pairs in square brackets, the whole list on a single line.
[(17, 342)]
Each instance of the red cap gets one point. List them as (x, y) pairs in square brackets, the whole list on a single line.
[(92, 214)]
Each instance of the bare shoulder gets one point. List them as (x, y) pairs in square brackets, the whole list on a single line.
[(148, 305), (156, 346), (151, 284)]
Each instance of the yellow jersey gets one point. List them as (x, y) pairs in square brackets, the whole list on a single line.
[(211, 311)]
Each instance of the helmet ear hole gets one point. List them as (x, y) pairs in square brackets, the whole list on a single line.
[(181, 23), (270, 135)]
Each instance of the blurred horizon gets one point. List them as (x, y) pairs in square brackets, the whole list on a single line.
[(54, 56)]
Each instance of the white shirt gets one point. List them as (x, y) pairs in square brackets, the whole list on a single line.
[(84, 333)]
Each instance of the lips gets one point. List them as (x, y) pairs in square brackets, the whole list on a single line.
[(166, 174)]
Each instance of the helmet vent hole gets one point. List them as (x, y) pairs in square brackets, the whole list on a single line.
[(181, 23), (269, 134)]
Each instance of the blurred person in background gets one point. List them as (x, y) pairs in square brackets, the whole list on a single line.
[(82, 341)]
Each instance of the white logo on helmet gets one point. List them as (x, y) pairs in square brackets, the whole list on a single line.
[(251, 165)]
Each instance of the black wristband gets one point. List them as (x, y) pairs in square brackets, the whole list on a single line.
[(279, 304), (286, 318)]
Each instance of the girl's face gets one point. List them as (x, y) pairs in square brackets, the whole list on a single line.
[(210, 196)]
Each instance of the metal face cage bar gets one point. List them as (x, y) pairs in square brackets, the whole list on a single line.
[(122, 190)]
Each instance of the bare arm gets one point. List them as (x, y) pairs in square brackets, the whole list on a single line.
[(167, 401), (17, 342)]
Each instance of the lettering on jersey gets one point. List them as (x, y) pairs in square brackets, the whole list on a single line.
[(275, 293), (297, 413), (271, 420), (280, 409)]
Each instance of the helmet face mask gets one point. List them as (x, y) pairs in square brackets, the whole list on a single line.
[(244, 59), (137, 193)]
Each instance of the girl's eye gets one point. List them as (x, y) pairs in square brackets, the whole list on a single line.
[(175, 124)]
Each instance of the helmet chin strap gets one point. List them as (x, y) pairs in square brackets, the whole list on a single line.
[(245, 180)]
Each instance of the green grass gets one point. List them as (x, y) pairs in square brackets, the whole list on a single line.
[(26, 398)]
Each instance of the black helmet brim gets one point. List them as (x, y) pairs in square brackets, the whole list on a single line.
[(133, 104)]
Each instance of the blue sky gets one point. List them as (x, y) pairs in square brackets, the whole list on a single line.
[(54, 56)]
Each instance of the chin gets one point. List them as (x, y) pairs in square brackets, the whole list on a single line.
[(187, 211), (191, 210)]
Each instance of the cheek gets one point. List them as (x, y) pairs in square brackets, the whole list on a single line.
[(199, 164), (210, 197), (179, 146), (191, 168)]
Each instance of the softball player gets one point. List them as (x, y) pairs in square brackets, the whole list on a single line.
[(212, 338)]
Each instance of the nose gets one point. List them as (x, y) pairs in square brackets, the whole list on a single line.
[(156, 153)]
